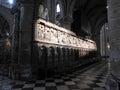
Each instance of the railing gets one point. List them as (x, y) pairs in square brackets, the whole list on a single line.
[(47, 32)]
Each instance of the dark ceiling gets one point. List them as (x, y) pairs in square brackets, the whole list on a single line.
[(95, 11), (4, 28)]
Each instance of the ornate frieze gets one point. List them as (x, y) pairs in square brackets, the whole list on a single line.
[(47, 32)]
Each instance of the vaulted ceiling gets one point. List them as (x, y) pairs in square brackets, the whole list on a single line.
[(94, 10)]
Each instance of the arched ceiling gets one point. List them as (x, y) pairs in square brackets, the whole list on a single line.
[(96, 12), (68, 6), (4, 28)]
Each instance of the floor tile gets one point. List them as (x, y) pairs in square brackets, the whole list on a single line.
[(40, 81), (70, 83), (90, 78), (29, 86), (50, 84), (51, 88), (62, 88), (40, 85), (17, 86), (39, 88), (73, 87), (60, 83), (17, 89)]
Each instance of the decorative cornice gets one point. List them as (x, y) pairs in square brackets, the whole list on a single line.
[(46, 32)]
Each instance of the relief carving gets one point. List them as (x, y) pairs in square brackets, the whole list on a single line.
[(58, 36)]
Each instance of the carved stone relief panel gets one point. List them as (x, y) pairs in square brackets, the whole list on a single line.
[(57, 35)]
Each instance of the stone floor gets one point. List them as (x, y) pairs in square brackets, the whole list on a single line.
[(92, 77)]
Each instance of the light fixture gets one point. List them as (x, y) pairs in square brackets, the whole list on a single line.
[(107, 28), (107, 7), (108, 45), (11, 1), (7, 34)]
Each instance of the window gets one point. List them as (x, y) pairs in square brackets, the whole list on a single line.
[(58, 13), (58, 8)]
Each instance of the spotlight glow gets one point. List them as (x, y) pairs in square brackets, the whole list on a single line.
[(11, 1)]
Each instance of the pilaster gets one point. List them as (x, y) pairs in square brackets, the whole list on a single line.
[(66, 22), (25, 36), (114, 35)]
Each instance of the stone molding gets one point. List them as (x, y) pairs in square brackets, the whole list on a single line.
[(46, 32)]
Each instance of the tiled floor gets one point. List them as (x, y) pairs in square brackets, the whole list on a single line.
[(90, 78)]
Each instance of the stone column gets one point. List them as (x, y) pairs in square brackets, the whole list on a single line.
[(114, 39), (56, 59), (63, 51), (114, 36), (62, 56), (66, 22), (15, 37), (52, 8), (70, 55), (102, 42), (51, 58), (96, 38), (25, 34)]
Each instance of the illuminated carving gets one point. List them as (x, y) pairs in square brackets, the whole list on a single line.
[(47, 32)]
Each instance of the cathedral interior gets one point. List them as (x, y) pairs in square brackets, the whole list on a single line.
[(59, 45)]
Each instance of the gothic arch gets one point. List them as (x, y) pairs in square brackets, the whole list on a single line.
[(5, 43), (6, 13)]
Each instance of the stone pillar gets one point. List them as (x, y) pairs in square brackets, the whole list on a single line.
[(25, 34), (73, 55), (49, 57), (50, 64), (43, 63), (37, 53), (114, 37), (59, 60), (52, 8), (66, 22), (62, 56), (66, 56), (77, 52), (70, 55), (15, 37), (102, 42), (56, 59), (63, 53), (96, 38)]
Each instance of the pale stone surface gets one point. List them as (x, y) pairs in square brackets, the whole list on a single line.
[(114, 34)]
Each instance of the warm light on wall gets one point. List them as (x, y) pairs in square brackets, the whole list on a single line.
[(108, 46), (8, 43)]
